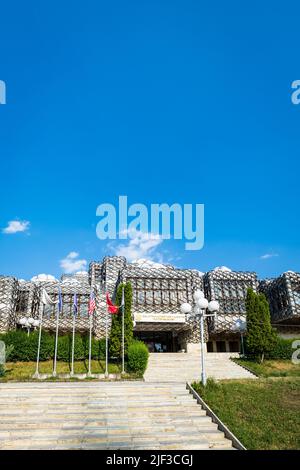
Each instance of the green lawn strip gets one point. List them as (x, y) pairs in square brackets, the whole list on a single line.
[(262, 413), (23, 371), (271, 368)]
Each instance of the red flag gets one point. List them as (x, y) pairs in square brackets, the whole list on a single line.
[(110, 306), (92, 304)]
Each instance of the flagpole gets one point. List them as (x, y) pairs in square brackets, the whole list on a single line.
[(73, 339), (37, 374), (123, 333), (106, 332), (90, 347), (106, 343), (56, 339)]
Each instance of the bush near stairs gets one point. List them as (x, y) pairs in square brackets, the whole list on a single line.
[(137, 357)]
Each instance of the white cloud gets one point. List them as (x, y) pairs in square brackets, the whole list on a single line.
[(269, 255), (222, 268), (200, 273), (71, 264), (15, 226), (140, 245), (43, 278), (147, 263)]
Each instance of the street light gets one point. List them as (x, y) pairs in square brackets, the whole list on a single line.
[(29, 323), (200, 307), (241, 325)]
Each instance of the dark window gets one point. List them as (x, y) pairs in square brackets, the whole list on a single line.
[(234, 346), (209, 346), (221, 346)]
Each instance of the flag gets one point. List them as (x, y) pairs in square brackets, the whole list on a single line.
[(123, 300), (92, 304), (110, 306), (46, 299), (103, 283), (60, 301), (75, 305)]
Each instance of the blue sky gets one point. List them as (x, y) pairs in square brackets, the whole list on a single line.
[(162, 101)]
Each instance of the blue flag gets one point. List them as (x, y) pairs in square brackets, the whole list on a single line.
[(60, 302), (75, 305)]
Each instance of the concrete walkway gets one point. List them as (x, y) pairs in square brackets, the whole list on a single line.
[(104, 415), (186, 367)]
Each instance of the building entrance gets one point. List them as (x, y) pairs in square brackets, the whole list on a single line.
[(158, 341)]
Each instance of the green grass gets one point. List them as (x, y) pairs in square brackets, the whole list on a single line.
[(22, 371), (271, 368), (264, 414)]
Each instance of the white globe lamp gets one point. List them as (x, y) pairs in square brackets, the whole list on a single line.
[(240, 324), (185, 308), (202, 303), (198, 294), (213, 306)]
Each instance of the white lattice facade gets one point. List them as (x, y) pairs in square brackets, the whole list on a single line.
[(158, 292)]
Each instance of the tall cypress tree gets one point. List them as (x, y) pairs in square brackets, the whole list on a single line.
[(261, 337), (115, 346)]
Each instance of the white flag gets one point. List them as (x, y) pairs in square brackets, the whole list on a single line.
[(46, 299), (123, 300)]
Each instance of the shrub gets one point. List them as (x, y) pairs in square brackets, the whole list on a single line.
[(211, 386), (261, 337), (25, 347), (8, 352), (115, 338), (282, 349), (137, 357)]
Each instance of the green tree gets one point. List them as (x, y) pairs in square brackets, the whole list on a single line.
[(261, 337), (115, 340)]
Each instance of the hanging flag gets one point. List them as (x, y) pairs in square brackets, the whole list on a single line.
[(92, 304), (46, 299), (123, 299), (60, 301), (110, 306), (103, 283), (75, 305)]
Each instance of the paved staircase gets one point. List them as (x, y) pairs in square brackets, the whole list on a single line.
[(186, 367), (104, 415)]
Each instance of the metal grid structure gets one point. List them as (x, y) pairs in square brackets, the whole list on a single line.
[(157, 289), (283, 294), (8, 302), (229, 288), (69, 285), (104, 277), (158, 292)]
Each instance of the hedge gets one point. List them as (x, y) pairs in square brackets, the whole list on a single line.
[(281, 350), (25, 347), (138, 355)]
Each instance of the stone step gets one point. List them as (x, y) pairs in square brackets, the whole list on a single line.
[(135, 416), (178, 367)]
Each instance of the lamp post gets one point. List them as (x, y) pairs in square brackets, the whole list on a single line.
[(29, 323), (201, 305), (240, 325)]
